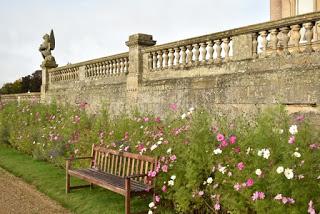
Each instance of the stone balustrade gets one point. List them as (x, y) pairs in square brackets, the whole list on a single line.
[(107, 66), (62, 74), (191, 52), (285, 36), (28, 97), (115, 65)]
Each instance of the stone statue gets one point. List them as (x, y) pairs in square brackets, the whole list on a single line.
[(45, 48)]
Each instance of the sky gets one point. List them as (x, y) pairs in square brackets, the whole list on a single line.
[(88, 29)]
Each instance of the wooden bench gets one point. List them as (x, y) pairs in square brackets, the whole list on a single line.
[(121, 172)]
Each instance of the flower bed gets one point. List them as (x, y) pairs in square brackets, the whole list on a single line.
[(206, 162)]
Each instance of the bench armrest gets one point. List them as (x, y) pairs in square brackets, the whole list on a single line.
[(78, 158), (135, 176)]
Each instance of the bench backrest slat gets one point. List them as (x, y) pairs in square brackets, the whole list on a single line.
[(122, 163)]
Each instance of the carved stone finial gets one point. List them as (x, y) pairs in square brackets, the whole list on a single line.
[(45, 48)]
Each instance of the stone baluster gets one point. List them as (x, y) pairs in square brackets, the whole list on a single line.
[(183, 55), (111, 67), (177, 55), (90, 71), (285, 40), (309, 36), (189, 54), (264, 42), (171, 57), (115, 67), (203, 52), (226, 49), (196, 53), (103, 68), (274, 41), (165, 58), (295, 37), (155, 60), (126, 65), (121, 66), (99, 69), (107, 68), (160, 59), (218, 50), (255, 45), (118, 66), (210, 51), (150, 63)]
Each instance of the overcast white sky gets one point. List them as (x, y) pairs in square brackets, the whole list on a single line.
[(87, 29)]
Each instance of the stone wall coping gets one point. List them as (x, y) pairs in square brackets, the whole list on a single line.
[(92, 61), (31, 94), (309, 17)]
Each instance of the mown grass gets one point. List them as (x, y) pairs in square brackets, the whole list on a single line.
[(50, 180)]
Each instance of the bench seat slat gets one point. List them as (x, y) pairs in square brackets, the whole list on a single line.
[(108, 181)]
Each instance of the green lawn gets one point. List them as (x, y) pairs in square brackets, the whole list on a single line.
[(51, 181)]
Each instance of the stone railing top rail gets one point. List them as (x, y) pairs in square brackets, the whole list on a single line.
[(93, 61), (31, 94), (309, 17)]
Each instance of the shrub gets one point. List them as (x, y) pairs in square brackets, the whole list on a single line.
[(268, 165)]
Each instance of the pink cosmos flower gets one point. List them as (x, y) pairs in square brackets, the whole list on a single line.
[(291, 140), (237, 150), (152, 174), (223, 144), (299, 118), (258, 195), (217, 206), (157, 120), (237, 186), (126, 148), (220, 137), (311, 209), (164, 168), (164, 188), (157, 198), (214, 129), (200, 193), (173, 106), (173, 157), (249, 182), (233, 139), (240, 166), (146, 119)]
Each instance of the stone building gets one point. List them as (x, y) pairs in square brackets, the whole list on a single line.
[(285, 8)]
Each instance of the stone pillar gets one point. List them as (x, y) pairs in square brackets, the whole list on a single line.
[(275, 9), (243, 47), (136, 65), (45, 80)]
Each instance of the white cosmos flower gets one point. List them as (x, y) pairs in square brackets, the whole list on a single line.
[(280, 169), (217, 151), (297, 154), (171, 183), (258, 172), (222, 169), (265, 153), (209, 180), (249, 150), (260, 153), (293, 129), (169, 151), (159, 142), (183, 116), (173, 177), (151, 205), (153, 147), (288, 173), (150, 212)]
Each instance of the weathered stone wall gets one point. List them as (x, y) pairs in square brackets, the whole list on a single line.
[(233, 72)]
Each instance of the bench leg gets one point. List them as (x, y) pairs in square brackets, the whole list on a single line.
[(127, 196), (67, 183), (67, 177)]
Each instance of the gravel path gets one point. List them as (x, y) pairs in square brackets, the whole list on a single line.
[(17, 197)]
